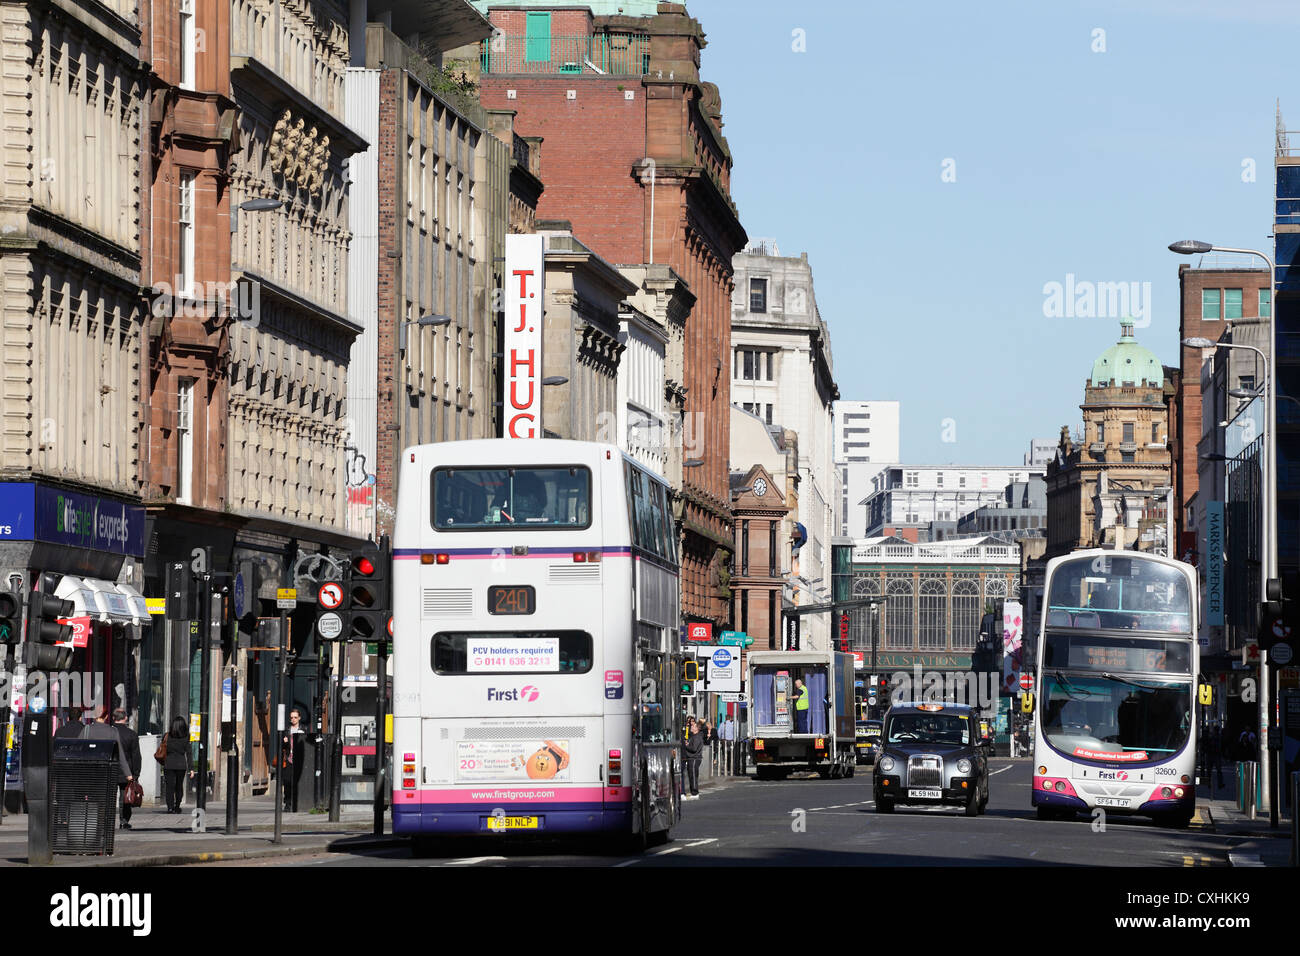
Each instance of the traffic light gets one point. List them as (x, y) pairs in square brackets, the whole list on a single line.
[(368, 594), (43, 628), (11, 617)]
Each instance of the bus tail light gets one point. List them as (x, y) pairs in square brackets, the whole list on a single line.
[(408, 771), (579, 557), (443, 558), (616, 768)]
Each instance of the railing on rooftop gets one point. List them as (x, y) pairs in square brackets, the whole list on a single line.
[(617, 54)]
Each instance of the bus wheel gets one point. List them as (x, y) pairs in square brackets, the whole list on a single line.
[(763, 773), (849, 771), (884, 806)]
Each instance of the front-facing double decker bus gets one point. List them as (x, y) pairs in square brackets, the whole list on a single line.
[(1117, 679), (535, 642)]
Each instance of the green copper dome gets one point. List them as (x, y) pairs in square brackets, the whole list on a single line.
[(1127, 363)]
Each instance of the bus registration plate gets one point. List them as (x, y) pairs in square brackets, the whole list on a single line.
[(512, 823), (1112, 802), (925, 794)]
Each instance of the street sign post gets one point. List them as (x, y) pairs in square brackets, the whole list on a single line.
[(330, 625), (330, 595), (286, 599)]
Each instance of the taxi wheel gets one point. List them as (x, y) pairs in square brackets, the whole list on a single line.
[(972, 808)]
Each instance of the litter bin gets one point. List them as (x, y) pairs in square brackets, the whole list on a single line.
[(83, 796)]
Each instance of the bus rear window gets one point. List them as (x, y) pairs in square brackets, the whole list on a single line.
[(511, 652), (478, 499)]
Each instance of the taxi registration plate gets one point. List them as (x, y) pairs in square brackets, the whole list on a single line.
[(925, 794), (512, 823)]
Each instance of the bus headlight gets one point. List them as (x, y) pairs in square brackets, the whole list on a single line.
[(963, 766), (886, 764)]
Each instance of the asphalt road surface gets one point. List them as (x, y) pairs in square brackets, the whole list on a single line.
[(814, 822)]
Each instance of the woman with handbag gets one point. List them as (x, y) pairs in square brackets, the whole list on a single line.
[(174, 754)]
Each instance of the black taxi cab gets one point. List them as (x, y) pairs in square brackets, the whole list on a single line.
[(930, 754), (868, 738)]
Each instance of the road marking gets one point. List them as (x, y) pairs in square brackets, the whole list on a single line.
[(703, 842), (996, 772), (471, 860)]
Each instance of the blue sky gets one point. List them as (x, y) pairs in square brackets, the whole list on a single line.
[(1066, 161)]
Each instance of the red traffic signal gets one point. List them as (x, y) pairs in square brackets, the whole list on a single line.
[(44, 629), (369, 598)]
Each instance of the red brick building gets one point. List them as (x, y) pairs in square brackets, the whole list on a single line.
[(1209, 299), (759, 507), (186, 230), (635, 160)]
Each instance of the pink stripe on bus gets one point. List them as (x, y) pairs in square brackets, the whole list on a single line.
[(490, 796)]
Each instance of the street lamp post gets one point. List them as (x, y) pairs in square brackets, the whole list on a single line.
[(1189, 247), (1268, 554)]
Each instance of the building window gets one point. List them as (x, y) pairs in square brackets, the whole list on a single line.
[(773, 615), (1210, 304), (773, 567), (185, 442), (538, 48), (911, 479), (189, 42), (961, 483), (753, 365), (900, 612), (1128, 433), (185, 266), (1101, 431), (1231, 304), (934, 601), (757, 295), (938, 480), (744, 611), (965, 613), (744, 549), (1265, 303), (1155, 433), (1126, 457), (767, 414)]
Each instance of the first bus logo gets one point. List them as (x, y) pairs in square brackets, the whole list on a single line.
[(527, 693)]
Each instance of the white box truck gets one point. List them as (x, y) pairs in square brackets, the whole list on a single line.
[(780, 741)]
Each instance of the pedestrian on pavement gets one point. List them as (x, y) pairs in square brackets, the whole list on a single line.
[(103, 729), (800, 707), (131, 750), (293, 749), (694, 754), (727, 734), (176, 762), (72, 727)]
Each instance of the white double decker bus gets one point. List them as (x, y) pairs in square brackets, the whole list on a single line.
[(1118, 661), (535, 642)]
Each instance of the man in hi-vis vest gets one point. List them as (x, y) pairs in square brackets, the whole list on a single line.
[(800, 707)]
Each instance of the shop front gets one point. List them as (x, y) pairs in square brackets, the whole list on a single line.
[(94, 544)]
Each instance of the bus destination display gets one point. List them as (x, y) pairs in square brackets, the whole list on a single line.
[(1118, 654), (515, 599)]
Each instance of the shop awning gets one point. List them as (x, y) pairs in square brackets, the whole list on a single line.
[(102, 600), (136, 602), (84, 602)]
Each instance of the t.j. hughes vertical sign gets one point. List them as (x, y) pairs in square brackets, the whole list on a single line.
[(523, 337)]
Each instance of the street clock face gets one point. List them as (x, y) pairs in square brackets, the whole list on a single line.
[(760, 487)]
